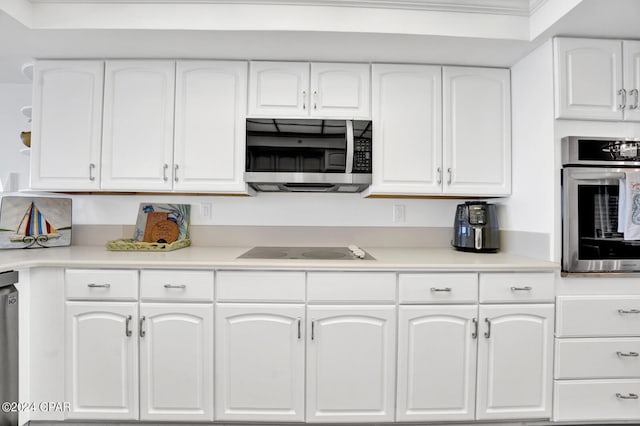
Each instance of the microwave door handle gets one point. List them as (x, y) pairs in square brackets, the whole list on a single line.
[(349, 158)]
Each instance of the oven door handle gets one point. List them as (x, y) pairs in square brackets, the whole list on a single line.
[(350, 145), (595, 175)]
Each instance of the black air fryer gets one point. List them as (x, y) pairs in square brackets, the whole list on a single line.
[(476, 227)]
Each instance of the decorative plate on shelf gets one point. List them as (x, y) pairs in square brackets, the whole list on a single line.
[(32, 222)]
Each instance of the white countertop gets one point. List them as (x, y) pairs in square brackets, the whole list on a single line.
[(390, 259)]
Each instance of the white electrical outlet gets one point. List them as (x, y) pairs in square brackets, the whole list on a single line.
[(206, 212), (398, 213)]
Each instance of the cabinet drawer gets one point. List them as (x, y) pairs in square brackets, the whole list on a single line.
[(104, 284), (238, 286), (176, 285), (438, 288), (616, 358), (377, 287), (596, 400), (598, 316), (517, 287)]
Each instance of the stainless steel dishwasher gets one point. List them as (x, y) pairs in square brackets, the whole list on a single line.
[(8, 348)]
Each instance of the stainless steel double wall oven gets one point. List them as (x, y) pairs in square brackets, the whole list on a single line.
[(591, 172)]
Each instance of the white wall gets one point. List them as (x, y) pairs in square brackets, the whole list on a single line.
[(12, 122)]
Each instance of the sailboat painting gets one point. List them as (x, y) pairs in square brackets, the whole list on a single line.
[(30, 222)]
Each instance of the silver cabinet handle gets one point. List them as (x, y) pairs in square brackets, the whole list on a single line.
[(634, 93), (165, 167), (628, 311), (525, 288), (299, 329), (175, 173), (449, 175), (623, 98), (446, 289), (439, 172), (92, 285), (304, 99), (487, 333), (127, 326), (313, 330), (474, 335), (627, 396), (180, 286), (633, 354), (142, 332), (91, 176)]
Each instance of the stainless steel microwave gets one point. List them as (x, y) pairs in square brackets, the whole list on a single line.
[(308, 155)]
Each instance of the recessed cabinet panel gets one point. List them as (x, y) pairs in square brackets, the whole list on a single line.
[(101, 377), (515, 360), (476, 131), (176, 361), (260, 362), (588, 77), (137, 148), (278, 88), (407, 128), (340, 90), (210, 126), (436, 363), (66, 127), (350, 363)]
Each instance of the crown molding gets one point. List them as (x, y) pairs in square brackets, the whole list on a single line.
[(496, 7)]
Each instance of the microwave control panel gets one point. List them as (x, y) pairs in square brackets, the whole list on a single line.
[(362, 155)]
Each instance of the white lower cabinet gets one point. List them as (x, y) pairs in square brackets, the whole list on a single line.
[(437, 362), (101, 378), (176, 361), (515, 360), (350, 364), (259, 362)]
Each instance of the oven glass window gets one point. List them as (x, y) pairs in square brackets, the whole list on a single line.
[(598, 225)]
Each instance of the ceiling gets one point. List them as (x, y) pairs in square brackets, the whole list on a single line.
[(462, 32)]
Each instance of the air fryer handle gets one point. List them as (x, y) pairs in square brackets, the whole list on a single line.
[(477, 231)]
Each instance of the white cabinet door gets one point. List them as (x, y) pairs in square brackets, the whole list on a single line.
[(588, 77), (437, 363), (259, 362), (340, 90), (476, 131), (211, 104), (67, 123), (515, 361), (101, 344), (137, 137), (278, 89), (631, 72), (176, 362), (407, 129), (350, 364)]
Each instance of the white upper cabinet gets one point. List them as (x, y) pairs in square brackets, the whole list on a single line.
[(631, 56), (441, 131), (300, 89), (137, 148), (340, 90), (66, 127), (476, 131), (350, 363), (407, 128), (597, 79), (515, 361), (210, 111)]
